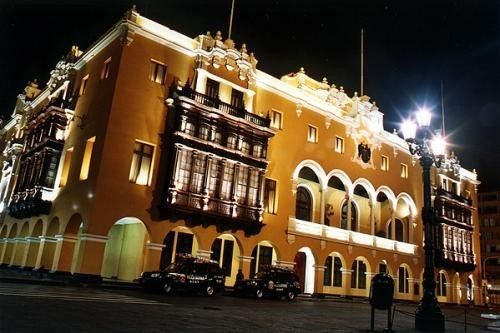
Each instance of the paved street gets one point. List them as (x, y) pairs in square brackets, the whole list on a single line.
[(36, 308)]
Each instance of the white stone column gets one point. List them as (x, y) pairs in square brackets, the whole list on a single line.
[(349, 215), (393, 224), (372, 218), (322, 207)]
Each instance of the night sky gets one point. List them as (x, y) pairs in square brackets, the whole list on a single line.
[(410, 47)]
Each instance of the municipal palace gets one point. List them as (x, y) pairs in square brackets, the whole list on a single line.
[(152, 144)]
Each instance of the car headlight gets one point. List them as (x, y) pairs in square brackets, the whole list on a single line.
[(155, 275)]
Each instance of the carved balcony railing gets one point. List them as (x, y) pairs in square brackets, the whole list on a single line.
[(199, 209), (225, 107), (300, 227)]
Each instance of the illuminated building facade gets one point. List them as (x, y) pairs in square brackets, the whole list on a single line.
[(489, 218), (151, 144)]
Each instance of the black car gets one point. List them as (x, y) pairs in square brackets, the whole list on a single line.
[(272, 281), (189, 274)]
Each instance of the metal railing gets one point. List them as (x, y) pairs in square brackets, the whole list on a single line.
[(225, 107)]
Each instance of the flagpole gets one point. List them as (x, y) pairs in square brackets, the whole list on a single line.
[(443, 131), (231, 20), (362, 65)]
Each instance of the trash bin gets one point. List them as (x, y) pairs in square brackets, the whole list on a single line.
[(381, 291)]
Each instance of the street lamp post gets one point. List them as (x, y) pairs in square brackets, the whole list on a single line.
[(429, 148)]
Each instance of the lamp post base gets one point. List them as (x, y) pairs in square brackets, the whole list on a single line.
[(429, 320)]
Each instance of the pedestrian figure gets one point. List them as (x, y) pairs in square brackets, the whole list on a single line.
[(239, 277)]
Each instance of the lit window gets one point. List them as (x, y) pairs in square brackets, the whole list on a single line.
[(157, 72), (270, 202), (441, 285), (312, 134), (358, 275), (204, 132), (84, 171), (214, 180), (212, 89), (198, 173), (66, 166), (231, 141), (237, 99), (241, 188), (184, 170), (140, 170), (190, 128), (384, 166), (227, 181), (245, 147), (404, 171), (83, 84), (333, 272), (257, 150), (403, 283), (276, 119), (339, 145), (253, 187), (105, 69)]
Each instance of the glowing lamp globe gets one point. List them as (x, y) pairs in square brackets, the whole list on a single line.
[(409, 129), (438, 145), (424, 117)]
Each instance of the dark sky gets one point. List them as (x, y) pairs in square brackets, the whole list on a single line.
[(410, 46)]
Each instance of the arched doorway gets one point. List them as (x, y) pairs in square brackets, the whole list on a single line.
[(264, 254), (49, 243), (226, 251), (441, 283), (20, 245), (359, 281), (354, 216), (9, 247), (382, 267), (303, 204), (399, 230), (34, 245), (125, 251), (179, 241), (308, 190), (304, 268), (3, 241), (332, 277), (470, 289), (404, 285)]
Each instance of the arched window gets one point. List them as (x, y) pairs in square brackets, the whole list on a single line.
[(399, 230), (354, 217), (441, 285), (403, 284), (303, 204), (358, 276), (333, 272)]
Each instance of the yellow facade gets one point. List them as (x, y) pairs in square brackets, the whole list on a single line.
[(104, 224)]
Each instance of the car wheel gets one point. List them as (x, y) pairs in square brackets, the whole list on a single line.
[(290, 295), (259, 293), (209, 291), (167, 288)]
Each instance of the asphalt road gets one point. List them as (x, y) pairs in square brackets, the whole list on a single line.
[(35, 308)]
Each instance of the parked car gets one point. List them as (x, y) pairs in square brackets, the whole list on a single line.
[(189, 274), (272, 281)]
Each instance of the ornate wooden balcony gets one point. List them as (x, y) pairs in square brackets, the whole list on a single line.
[(198, 209)]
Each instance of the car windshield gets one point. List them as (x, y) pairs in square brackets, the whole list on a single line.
[(173, 268), (261, 275)]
